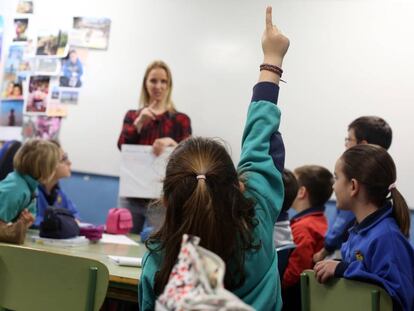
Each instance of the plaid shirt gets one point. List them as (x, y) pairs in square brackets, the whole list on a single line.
[(175, 125)]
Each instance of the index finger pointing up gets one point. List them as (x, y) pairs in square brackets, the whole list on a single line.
[(269, 24)]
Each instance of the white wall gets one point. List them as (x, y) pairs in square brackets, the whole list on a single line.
[(347, 58)]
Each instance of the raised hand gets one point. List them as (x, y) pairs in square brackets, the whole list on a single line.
[(274, 43), (145, 115)]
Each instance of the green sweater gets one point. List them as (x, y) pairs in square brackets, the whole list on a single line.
[(16, 194), (261, 164)]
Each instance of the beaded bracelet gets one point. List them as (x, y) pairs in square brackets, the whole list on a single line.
[(272, 68)]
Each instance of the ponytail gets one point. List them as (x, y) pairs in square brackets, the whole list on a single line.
[(401, 212)]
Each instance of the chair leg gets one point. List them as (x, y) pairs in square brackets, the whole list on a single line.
[(304, 291), (375, 300), (93, 275)]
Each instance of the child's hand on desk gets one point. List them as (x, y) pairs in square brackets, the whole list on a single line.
[(27, 218)]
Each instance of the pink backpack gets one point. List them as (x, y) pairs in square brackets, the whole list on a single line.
[(119, 221)]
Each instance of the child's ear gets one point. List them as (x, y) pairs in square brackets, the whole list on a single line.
[(355, 186), (242, 187), (363, 142), (302, 193)]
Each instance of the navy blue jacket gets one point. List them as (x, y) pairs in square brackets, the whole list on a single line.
[(57, 198), (377, 252)]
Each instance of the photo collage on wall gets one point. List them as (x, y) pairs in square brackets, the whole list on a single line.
[(43, 71)]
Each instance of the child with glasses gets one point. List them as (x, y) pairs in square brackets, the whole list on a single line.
[(35, 162), (50, 193)]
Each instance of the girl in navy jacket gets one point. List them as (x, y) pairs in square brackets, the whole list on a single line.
[(377, 250)]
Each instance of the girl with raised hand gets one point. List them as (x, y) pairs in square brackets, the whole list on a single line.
[(377, 250), (204, 196)]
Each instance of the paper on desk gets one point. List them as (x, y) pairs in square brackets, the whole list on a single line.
[(126, 261), (76, 241), (141, 172), (117, 239)]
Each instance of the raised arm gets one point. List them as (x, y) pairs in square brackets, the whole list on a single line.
[(262, 154)]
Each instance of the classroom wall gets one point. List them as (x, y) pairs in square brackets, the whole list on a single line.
[(347, 58)]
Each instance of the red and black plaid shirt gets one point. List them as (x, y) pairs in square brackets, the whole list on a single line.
[(175, 125)]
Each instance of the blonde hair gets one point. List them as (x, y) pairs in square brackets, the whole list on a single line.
[(37, 158), (144, 97)]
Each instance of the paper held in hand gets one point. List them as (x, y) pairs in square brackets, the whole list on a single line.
[(141, 172)]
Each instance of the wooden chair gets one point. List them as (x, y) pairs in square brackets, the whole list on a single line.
[(283, 254), (39, 280), (341, 294)]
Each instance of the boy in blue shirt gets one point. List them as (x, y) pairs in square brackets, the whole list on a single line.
[(363, 130), (50, 193)]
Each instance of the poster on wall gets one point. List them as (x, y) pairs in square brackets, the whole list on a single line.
[(1, 35), (73, 68), (46, 66), (11, 119), (40, 127), (12, 87), (91, 32), (24, 7), (38, 94), (52, 43), (21, 26)]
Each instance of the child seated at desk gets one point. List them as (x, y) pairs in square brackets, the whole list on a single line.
[(34, 162), (50, 193)]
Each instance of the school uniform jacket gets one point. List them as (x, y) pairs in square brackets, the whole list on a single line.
[(377, 252), (308, 230), (262, 160), (17, 192)]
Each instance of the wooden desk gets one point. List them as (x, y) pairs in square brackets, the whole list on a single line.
[(123, 281)]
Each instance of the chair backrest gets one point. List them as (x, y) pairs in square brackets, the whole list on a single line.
[(341, 294), (283, 254), (32, 279)]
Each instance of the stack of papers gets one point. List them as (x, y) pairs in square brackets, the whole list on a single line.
[(77, 241), (126, 261)]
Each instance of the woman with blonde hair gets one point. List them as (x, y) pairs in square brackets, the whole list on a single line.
[(156, 122)]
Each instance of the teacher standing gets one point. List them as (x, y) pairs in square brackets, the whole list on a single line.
[(156, 123)]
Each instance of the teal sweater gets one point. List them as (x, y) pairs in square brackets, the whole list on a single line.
[(16, 194), (261, 162)]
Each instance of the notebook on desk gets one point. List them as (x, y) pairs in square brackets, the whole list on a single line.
[(126, 261)]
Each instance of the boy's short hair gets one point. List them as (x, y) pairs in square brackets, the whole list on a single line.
[(318, 182), (374, 130), (37, 158), (291, 189)]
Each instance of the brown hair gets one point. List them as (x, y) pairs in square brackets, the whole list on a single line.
[(291, 187), (213, 209), (318, 182), (144, 98), (374, 169), (372, 129), (37, 158)]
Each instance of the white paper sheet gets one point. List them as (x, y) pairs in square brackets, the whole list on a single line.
[(117, 239), (126, 261), (141, 172)]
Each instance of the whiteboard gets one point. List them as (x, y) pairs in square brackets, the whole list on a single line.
[(347, 59)]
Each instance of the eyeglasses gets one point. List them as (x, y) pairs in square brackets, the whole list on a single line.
[(348, 140), (65, 158)]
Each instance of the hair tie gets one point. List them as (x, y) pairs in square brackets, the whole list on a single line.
[(392, 186), (201, 177)]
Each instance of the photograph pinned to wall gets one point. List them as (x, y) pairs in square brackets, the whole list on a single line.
[(12, 87), (21, 26), (11, 113), (56, 109), (38, 94), (52, 43), (1, 34), (69, 96), (73, 67), (24, 7), (91, 32), (40, 127), (46, 66), (14, 59)]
